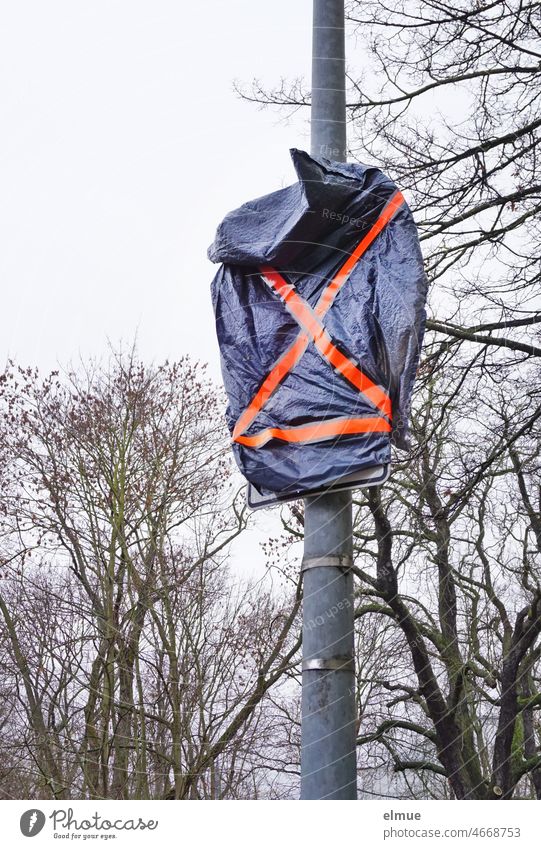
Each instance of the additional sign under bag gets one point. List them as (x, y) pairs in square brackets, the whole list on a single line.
[(319, 306)]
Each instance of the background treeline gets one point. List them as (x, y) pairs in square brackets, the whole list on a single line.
[(134, 663)]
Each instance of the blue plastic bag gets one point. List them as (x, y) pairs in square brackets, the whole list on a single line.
[(319, 304)]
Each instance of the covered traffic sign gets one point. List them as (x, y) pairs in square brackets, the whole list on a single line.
[(319, 304)]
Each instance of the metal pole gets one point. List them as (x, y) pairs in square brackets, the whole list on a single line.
[(328, 756), (328, 113)]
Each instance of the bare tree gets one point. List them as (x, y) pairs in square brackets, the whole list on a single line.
[(445, 98), (139, 662), (455, 545)]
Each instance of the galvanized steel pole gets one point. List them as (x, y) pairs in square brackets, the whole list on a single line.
[(328, 756), (328, 113)]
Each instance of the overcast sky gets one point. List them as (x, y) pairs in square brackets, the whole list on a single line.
[(124, 145)]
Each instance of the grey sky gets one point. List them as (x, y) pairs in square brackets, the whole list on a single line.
[(123, 146)]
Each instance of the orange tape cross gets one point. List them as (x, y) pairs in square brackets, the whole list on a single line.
[(313, 330)]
